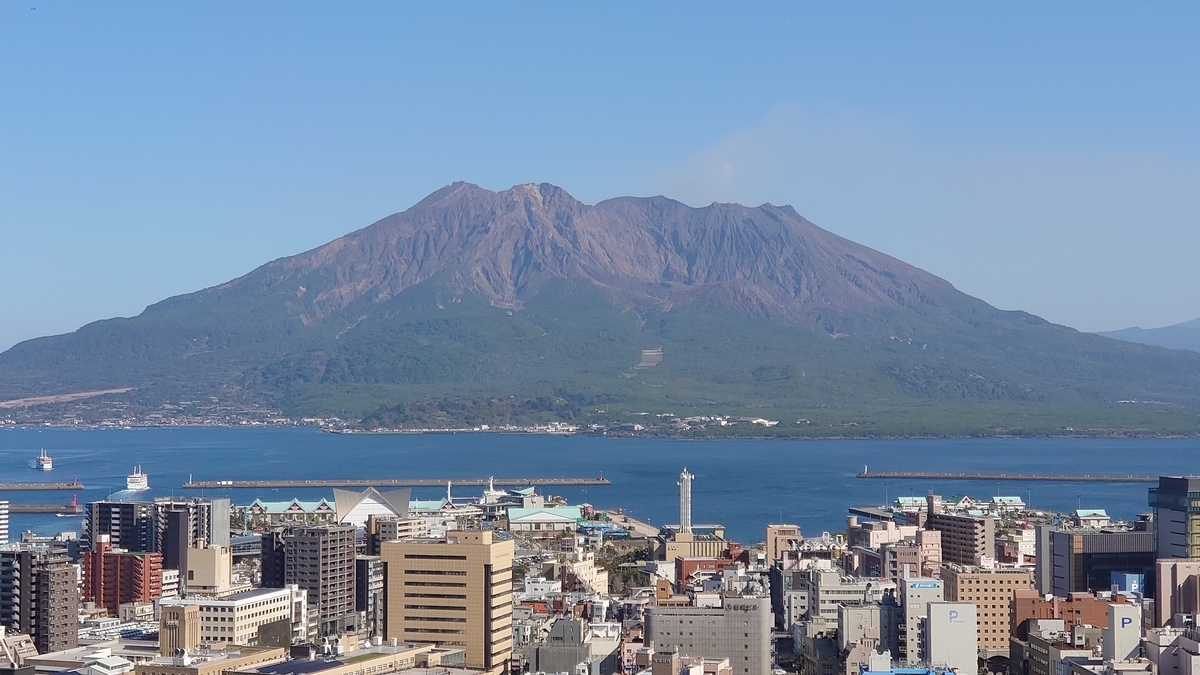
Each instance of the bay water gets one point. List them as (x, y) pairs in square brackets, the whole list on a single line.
[(742, 484)]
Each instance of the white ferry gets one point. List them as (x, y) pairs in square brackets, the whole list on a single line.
[(137, 481), (44, 461)]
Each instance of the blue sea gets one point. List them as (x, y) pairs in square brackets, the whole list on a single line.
[(743, 484)]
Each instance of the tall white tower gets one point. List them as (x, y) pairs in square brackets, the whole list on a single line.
[(685, 501)]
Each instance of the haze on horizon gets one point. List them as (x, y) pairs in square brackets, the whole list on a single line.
[(1038, 157)]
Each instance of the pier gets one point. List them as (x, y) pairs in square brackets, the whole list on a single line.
[(58, 509), (74, 485), (391, 482), (1057, 477)]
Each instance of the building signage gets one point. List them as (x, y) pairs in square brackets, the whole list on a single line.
[(923, 584), (741, 608)]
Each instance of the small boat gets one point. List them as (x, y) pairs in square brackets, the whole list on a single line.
[(44, 461), (137, 481)]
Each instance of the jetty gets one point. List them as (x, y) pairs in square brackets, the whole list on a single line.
[(390, 482), (976, 475), (57, 509), (73, 485)]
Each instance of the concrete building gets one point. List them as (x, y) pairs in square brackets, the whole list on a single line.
[(781, 539), (1083, 559), (966, 540), (915, 596), (1176, 503), (453, 592), (1177, 589), (259, 617), (1123, 634), (951, 637), (181, 524), (3, 521), (688, 540), (213, 662), (991, 591), (178, 628), (41, 595), (128, 525), (739, 630), (320, 560), (112, 577), (1077, 609), (373, 659), (209, 572), (571, 648), (369, 593)]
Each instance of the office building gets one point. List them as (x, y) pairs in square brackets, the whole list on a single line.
[(320, 560), (3, 521), (991, 591), (966, 540), (182, 524), (1177, 589), (41, 595), (112, 577), (782, 539), (263, 617), (1084, 559), (128, 525), (1123, 634), (178, 628), (369, 591), (1176, 503), (740, 630), (209, 573), (454, 592), (1076, 609), (951, 637), (915, 595)]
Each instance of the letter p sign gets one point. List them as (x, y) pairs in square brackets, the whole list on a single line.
[(1125, 621), (953, 614)]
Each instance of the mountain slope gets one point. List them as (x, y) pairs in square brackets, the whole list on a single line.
[(472, 294), (1184, 335)]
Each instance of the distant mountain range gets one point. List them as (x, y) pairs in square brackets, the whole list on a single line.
[(476, 306), (1180, 336)]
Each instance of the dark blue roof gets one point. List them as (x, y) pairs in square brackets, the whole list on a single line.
[(299, 666)]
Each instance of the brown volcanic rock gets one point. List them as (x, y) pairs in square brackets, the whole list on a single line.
[(766, 261)]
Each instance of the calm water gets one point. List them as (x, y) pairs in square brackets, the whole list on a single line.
[(742, 484)]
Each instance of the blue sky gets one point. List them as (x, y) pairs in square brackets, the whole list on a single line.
[(1041, 156)]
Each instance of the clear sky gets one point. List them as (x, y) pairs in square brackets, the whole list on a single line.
[(1040, 156)]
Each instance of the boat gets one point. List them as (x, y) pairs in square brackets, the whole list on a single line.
[(137, 481), (44, 461)]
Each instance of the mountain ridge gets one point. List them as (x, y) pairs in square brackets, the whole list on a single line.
[(528, 291)]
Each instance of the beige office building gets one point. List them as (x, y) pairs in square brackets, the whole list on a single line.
[(991, 590), (453, 592)]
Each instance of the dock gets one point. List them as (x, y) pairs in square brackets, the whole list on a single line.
[(58, 509), (391, 482), (74, 485), (1056, 477)]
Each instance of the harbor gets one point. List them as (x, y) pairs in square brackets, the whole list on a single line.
[(974, 475), (28, 486), (391, 482)]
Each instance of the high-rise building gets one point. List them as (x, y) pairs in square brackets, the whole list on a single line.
[(320, 560), (966, 540), (129, 525), (1083, 559), (181, 524), (1176, 503), (3, 521), (455, 592), (112, 577), (40, 595), (951, 637), (991, 590), (370, 577), (915, 595)]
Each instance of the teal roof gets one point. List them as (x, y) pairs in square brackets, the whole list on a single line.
[(571, 512), (1007, 500), (524, 492), (427, 505), (294, 506), (1091, 513)]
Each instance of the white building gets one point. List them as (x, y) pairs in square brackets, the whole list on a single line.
[(951, 636), (236, 618), (353, 508)]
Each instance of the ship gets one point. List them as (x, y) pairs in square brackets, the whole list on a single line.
[(137, 481), (44, 461)]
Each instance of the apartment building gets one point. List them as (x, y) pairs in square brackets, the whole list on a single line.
[(992, 590), (247, 618)]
